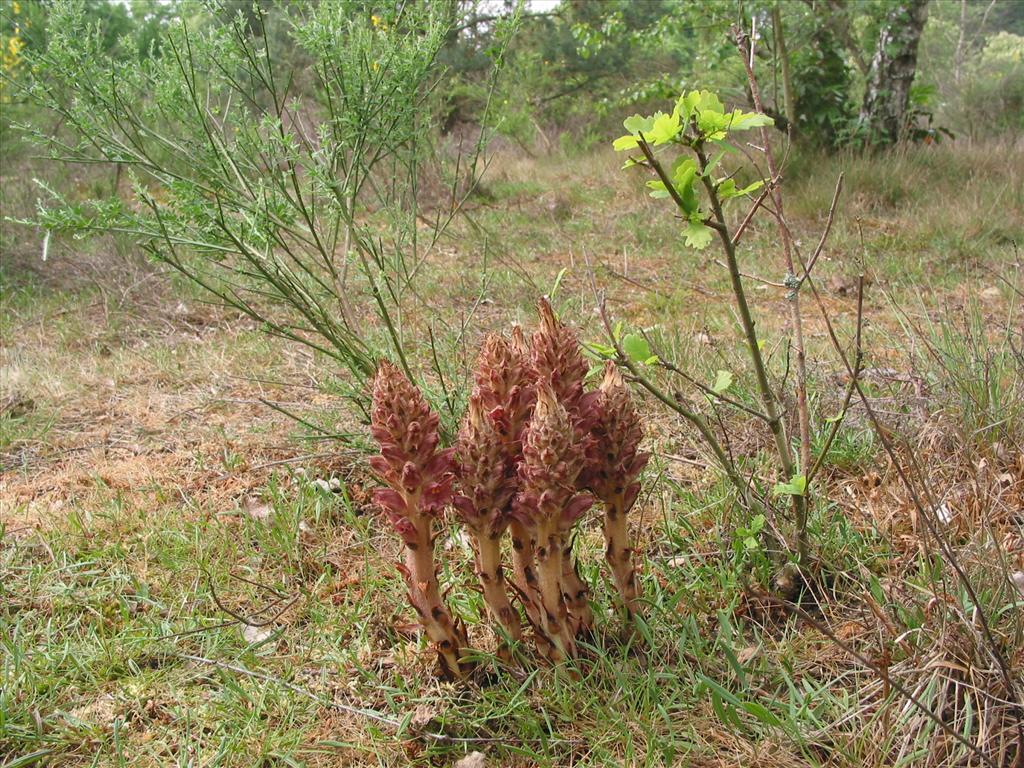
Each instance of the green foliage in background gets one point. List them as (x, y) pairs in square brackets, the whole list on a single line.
[(273, 157)]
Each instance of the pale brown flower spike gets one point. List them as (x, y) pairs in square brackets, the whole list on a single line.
[(613, 465), (418, 479)]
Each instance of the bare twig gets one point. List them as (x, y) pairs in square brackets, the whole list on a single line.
[(750, 214), (825, 232), (858, 360), (253, 620)]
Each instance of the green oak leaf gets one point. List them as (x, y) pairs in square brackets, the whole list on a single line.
[(709, 102), (638, 124), (722, 382), (714, 161), (742, 121), (664, 129), (636, 348), (795, 487), (684, 173), (728, 190), (658, 189), (698, 236), (625, 142), (602, 351)]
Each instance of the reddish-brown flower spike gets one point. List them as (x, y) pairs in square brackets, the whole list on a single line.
[(504, 382), (549, 506), (553, 456), (614, 463), (505, 385), (557, 359), (419, 486), (486, 487), (406, 429)]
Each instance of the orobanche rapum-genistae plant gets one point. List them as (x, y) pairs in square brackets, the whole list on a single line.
[(536, 451)]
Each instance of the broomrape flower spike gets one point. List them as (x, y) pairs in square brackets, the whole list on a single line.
[(558, 361), (504, 383), (559, 364), (532, 441), (613, 466), (549, 506), (487, 485), (419, 480), (505, 386)]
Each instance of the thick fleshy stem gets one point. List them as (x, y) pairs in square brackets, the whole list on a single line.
[(524, 571), (555, 616), (491, 573), (424, 594), (419, 479), (619, 551), (487, 487), (575, 592)]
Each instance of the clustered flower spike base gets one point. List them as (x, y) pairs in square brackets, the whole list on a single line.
[(535, 452)]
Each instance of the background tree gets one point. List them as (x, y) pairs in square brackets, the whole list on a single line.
[(883, 114)]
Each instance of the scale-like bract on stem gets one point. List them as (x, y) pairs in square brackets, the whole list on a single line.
[(613, 465), (419, 480)]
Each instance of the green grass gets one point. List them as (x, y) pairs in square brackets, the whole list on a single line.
[(120, 565), (102, 613)]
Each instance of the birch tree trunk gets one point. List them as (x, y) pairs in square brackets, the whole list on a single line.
[(788, 99), (887, 95)]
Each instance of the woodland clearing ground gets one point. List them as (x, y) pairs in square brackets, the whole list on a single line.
[(140, 481)]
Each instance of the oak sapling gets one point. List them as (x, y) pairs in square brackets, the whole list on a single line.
[(419, 480), (558, 363), (549, 505), (614, 464), (487, 486)]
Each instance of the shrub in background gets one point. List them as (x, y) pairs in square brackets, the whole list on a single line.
[(274, 158)]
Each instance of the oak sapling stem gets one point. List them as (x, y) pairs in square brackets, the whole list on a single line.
[(700, 125)]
